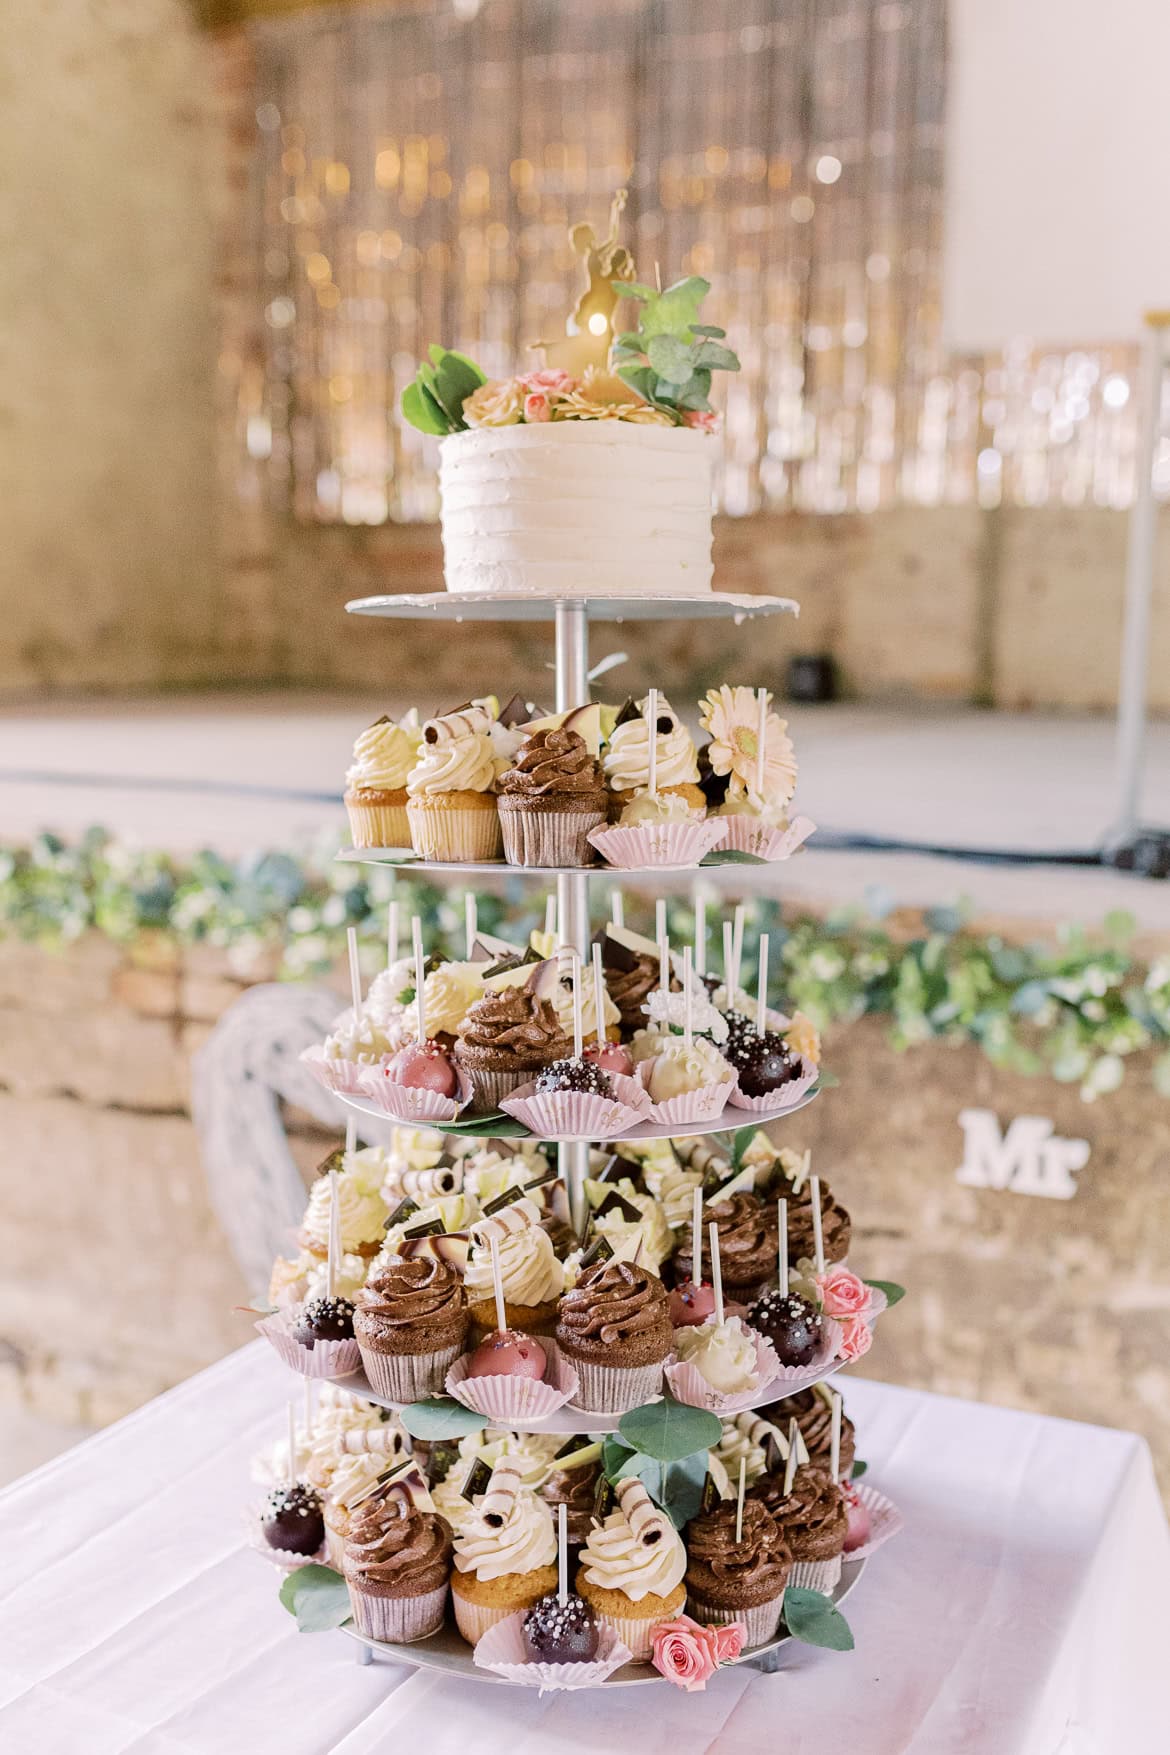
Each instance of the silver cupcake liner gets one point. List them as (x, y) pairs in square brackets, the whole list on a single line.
[(759, 1623), (819, 1575), (614, 1389), (408, 1377), (399, 1619)]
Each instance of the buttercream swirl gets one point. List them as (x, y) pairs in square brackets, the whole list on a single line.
[(616, 1302), (396, 1553), (811, 1516), (552, 762), (757, 1563), (524, 1542), (447, 993), (661, 807), (627, 760), (360, 1206), (529, 1269), (411, 1294), (749, 1241), (384, 754), (456, 754), (614, 1559), (513, 1026)]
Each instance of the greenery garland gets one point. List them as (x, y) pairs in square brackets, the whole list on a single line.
[(1076, 1010)]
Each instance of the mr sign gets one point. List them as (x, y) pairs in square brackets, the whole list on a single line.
[(1029, 1159)]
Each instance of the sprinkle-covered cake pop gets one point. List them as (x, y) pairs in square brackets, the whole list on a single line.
[(794, 1326), (557, 1632), (292, 1519), (575, 1074), (324, 1319)]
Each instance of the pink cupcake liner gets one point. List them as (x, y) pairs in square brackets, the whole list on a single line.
[(344, 1077), (750, 835), (324, 1359), (789, 1379), (506, 1398), (410, 1103), (398, 1620), (636, 847), (687, 1383), (282, 1558), (776, 1102), (501, 1650), (579, 1114), (705, 1104), (885, 1518)]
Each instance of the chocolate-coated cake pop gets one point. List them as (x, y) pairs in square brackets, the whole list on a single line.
[(766, 1064), (793, 1325), (292, 1519), (324, 1319), (561, 1633), (575, 1075)]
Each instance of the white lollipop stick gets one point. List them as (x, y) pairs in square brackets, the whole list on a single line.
[(598, 996), (498, 1286), (420, 1016), (738, 952), (782, 1264), (762, 991), (729, 963), (716, 1270), (688, 1034), (652, 740), (308, 1407), (739, 1500), (664, 980), (562, 1554), (835, 1440), (334, 1261), (578, 1033), (355, 972), (660, 919), (350, 1135), (292, 1444), (471, 921), (617, 909), (793, 1456), (392, 933), (700, 934), (762, 736), (697, 1239), (814, 1188), (550, 917)]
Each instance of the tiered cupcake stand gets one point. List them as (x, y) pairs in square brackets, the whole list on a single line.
[(446, 1650)]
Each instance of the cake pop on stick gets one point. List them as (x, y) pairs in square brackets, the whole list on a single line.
[(291, 1472), (598, 996), (716, 1271), (561, 1628), (691, 1302), (652, 742), (420, 1015), (497, 1285), (562, 1554), (664, 980), (660, 919), (794, 1326), (793, 1453), (355, 972), (471, 920), (505, 1353), (611, 1057), (550, 918), (739, 1500), (697, 1237), (738, 940), (729, 963), (782, 1263), (761, 738), (421, 1064), (334, 1258), (578, 1032)]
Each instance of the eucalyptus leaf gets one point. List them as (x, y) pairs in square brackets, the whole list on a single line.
[(672, 312), (494, 1127), (670, 358), (440, 1416), (318, 1597), (731, 856), (859, 1468), (894, 1293), (614, 1452), (669, 1430), (708, 329), (712, 357), (682, 1488), (812, 1618), (422, 411)]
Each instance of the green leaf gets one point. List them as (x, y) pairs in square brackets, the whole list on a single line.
[(811, 1617), (440, 1416), (708, 329), (894, 1293), (494, 1127), (614, 1452), (682, 1488), (670, 358), (740, 1141), (732, 856), (422, 411), (456, 378), (713, 358), (674, 311), (668, 1430), (859, 1469), (633, 289), (317, 1596), (640, 379)]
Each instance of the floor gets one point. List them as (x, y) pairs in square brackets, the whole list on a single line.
[(238, 772)]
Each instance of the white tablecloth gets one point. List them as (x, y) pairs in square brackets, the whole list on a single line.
[(1020, 1612)]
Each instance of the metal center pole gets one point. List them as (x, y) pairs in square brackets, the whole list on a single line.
[(572, 674)]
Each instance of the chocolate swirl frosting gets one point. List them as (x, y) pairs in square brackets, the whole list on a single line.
[(422, 1297), (836, 1226), (811, 1517), (617, 1312), (815, 1419), (392, 1553), (515, 1027), (630, 988), (749, 1241), (550, 762), (755, 1567)]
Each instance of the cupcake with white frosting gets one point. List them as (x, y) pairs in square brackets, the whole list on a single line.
[(678, 796), (505, 1553), (632, 1569), (375, 782), (532, 1277), (451, 804)]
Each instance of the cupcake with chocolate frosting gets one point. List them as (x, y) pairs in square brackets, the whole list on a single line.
[(749, 1245), (836, 1226), (813, 1413), (505, 1040), (614, 1328), (397, 1563), (630, 977), (411, 1322), (550, 799), (742, 1578), (812, 1518), (576, 1490)]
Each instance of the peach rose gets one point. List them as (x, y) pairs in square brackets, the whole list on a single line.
[(842, 1294), (856, 1339), (803, 1037), (703, 420), (685, 1653), (499, 403), (553, 380), (536, 407)]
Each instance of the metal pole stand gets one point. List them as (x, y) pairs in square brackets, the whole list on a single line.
[(572, 677)]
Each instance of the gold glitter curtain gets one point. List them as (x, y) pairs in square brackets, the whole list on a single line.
[(415, 172)]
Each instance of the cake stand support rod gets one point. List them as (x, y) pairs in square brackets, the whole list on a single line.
[(572, 674)]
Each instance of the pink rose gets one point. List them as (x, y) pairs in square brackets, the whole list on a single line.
[(684, 1653), (703, 420), (842, 1293), (728, 1642), (856, 1340), (536, 406), (552, 379)]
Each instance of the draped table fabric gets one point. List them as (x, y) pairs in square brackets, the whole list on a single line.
[(1021, 1611)]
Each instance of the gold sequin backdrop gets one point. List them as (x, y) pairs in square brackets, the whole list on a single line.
[(416, 168)]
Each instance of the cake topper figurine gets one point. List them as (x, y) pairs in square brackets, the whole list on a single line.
[(589, 326)]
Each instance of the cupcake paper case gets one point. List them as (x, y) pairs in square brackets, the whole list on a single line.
[(411, 1323), (614, 1329), (504, 1399), (638, 847), (730, 1579), (632, 1569), (582, 1115), (323, 1359), (413, 1105)]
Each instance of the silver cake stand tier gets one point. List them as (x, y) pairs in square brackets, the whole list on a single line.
[(449, 1652), (648, 606), (403, 859)]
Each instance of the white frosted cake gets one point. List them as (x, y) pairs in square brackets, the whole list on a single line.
[(605, 508)]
